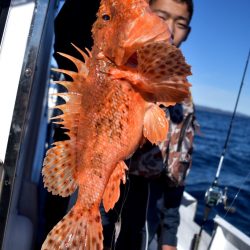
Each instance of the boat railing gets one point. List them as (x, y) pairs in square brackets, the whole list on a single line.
[(225, 235)]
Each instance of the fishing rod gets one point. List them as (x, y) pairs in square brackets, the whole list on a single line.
[(214, 194)]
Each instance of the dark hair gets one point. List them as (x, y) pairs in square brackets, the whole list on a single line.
[(188, 2)]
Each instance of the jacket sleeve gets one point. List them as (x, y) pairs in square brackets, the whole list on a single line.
[(178, 162), (170, 215), (180, 145)]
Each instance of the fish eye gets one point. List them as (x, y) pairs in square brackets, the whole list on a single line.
[(106, 17)]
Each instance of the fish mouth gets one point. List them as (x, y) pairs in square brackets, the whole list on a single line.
[(132, 61)]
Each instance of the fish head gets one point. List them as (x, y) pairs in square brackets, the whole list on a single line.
[(124, 26)]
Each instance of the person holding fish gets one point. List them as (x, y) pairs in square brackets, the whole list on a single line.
[(120, 98), (148, 209)]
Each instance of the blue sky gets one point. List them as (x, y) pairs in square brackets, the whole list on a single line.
[(217, 50)]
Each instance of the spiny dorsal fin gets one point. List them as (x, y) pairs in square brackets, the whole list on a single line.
[(61, 160), (82, 67)]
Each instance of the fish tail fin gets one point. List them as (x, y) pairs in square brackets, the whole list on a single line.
[(78, 230)]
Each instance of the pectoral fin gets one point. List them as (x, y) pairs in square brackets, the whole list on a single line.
[(156, 125), (162, 62), (161, 75), (112, 191), (166, 71)]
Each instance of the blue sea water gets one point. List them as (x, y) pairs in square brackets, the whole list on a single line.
[(235, 173)]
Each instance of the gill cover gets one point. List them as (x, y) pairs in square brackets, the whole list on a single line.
[(118, 32)]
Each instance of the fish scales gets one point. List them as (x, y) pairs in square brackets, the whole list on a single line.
[(112, 106)]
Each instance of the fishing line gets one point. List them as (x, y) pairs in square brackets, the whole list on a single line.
[(214, 201), (230, 207), (231, 122), (115, 234), (214, 194)]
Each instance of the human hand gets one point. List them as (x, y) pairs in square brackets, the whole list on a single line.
[(167, 247)]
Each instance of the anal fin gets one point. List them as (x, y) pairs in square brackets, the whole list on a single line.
[(112, 191)]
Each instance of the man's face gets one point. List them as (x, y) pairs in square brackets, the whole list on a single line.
[(176, 16)]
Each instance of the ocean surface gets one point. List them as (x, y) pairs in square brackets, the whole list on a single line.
[(235, 173)]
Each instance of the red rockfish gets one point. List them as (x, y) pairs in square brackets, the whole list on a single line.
[(112, 104)]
